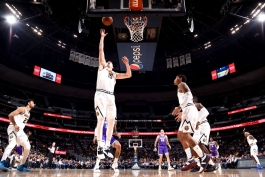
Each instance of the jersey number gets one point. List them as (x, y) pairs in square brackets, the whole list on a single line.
[(162, 140), (110, 75), (25, 120)]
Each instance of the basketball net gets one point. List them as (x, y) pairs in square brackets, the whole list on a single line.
[(136, 27)]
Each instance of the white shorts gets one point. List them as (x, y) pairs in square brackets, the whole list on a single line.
[(105, 105), (254, 150), (203, 133), (20, 138), (189, 119)]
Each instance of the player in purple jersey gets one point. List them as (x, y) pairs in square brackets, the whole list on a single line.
[(213, 146), (162, 141), (115, 144)]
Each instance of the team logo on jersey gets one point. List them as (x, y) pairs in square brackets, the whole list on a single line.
[(26, 115), (186, 128), (97, 113), (204, 139)]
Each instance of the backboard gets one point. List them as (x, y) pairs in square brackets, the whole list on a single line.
[(150, 8), (135, 142)]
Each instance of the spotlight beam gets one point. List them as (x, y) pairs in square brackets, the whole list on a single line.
[(22, 1)]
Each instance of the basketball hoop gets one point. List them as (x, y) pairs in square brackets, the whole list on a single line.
[(136, 27)]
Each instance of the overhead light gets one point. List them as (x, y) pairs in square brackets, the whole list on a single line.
[(40, 30), (63, 46), (39, 33), (231, 29), (262, 6), (256, 13), (27, 24), (246, 22), (35, 30), (196, 35), (60, 42), (237, 29), (75, 35), (233, 32), (261, 17), (11, 19), (59, 45)]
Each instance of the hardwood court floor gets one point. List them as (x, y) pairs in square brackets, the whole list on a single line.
[(133, 173)]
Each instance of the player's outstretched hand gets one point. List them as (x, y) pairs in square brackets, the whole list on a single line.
[(102, 32), (176, 111), (125, 60), (155, 149), (179, 117)]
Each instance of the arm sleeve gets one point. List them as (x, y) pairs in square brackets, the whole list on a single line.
[(203, 113), (185, 101)]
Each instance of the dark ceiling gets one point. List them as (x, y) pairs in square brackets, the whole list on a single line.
[(21, 48)]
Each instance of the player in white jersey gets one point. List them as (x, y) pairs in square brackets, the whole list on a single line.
[(201, 134), (189, 119), (253, 148), (16, 134), (104, 97)]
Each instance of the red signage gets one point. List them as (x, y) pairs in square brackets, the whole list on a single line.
[(36, 70), (232, 68), (58, 78), (242, 110), (57, 115), (256, 122), (60, 152), (214, 75)]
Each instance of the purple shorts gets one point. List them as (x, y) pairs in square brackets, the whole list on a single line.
[(19, 150), (111, 141), (162, 150), (214, 154)]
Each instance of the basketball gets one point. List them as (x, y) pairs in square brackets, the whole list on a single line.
[(107, 21)]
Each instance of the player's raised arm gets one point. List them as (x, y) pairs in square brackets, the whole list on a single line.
[(102, 61), (128, 73)]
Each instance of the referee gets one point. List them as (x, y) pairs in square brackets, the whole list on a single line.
[(51, 154)]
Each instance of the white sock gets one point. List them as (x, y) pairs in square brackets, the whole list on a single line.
[(257, 159), (159, 166), (115, 161), (198, 150), (188, 153), (111, 122), (26, 149), (97, 163), (198, 161)]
